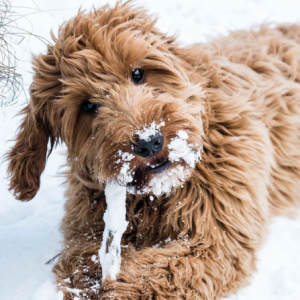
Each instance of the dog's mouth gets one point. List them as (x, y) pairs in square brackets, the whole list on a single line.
[(158, 167), (144, 173)]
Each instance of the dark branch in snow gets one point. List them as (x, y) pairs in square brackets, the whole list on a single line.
[(52, 259)]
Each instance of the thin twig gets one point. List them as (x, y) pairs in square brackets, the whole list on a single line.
[(52, 259), (11, 82)]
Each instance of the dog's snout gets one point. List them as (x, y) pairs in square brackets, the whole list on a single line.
[(150, 146)]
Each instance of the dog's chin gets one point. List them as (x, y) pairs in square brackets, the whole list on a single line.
[(159, 178)]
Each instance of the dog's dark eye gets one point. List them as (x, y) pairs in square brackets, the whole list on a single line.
[(90, 107), (138, 76)]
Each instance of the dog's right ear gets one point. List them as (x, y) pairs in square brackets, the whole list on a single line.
[(28, 156)]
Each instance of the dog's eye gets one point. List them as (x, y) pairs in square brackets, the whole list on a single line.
[(138, 76), (90, 107)]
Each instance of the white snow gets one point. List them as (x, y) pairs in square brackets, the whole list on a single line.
[(165, 182), (181, 150), (29, 232), (75, 292), (125, 174), (47, 291), (125, 156), (149, 130), (115, 226)]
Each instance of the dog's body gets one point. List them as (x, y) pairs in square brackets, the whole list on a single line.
[(238, 99)]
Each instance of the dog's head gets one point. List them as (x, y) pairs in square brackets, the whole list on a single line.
[(115, 91)]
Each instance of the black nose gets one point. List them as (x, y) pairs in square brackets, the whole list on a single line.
[(150, 146)]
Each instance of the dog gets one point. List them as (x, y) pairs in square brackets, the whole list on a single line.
[(206, 139)]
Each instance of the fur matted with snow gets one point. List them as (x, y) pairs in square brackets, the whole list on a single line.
[(179, 149), (115, 215), (115, 226), (149, 130)]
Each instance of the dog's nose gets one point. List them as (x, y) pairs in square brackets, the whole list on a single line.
[(150, 146)]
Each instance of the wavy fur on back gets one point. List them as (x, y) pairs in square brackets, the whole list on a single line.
[(238, 97)]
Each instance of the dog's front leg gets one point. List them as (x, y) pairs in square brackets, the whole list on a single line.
[(78, 271), (181, 271)]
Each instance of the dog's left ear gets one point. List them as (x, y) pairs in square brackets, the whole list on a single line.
[(28, 156)]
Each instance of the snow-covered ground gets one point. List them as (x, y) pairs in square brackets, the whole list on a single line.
[(29, 232)]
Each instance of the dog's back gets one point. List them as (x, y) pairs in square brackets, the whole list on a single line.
[(264, 66)]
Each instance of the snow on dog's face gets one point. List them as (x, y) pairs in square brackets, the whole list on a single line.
[(121, 98)]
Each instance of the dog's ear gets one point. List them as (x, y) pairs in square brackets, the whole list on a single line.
[(28, 156)]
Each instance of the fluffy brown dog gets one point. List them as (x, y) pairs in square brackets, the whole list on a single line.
[(237, 100)]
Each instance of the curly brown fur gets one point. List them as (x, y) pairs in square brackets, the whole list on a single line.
[(238, 97)]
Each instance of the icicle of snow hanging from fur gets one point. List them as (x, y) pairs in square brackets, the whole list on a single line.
[(115, 226)]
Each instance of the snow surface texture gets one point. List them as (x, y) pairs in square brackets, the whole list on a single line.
[(29, 232), (115, 226)]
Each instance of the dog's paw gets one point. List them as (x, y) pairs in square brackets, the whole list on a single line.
[(125, 288)]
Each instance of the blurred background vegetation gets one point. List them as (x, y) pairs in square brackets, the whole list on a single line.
[(10, 78)]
